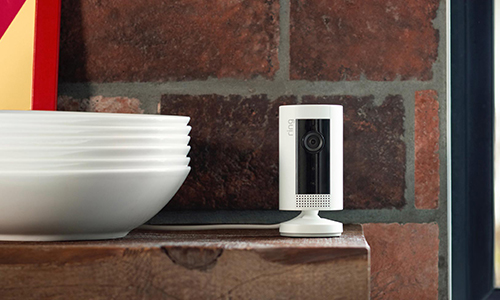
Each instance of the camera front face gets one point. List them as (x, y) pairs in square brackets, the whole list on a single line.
[(313, 156)]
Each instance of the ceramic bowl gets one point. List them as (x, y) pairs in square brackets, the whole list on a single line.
[(89, 119), (92, 152), (28, 130), (82, 205), (93, 164), (96, 141)]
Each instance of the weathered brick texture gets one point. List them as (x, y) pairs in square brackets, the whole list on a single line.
[(127, 40), (427, 134), (382, 40), (404, 260)]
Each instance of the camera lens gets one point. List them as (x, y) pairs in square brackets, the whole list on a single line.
[(313, 141)]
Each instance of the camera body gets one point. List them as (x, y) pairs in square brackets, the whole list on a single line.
[(311, 161)]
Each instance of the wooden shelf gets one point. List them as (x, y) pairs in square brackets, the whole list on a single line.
[(229, 264)]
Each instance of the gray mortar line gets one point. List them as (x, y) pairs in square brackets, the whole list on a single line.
[(275, 216), (383, 216), (409, 140), (440, 75), (150, 104), (226, 87), (444, 259), (282, 74)]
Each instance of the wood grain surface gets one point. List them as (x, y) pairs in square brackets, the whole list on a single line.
[(230, 264)]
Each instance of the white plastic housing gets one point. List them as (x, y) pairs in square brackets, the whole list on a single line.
[(288, 143), (309, 224)]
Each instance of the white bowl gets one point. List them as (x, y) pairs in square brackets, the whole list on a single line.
[(92, 152), (96, 141), (93, 164), (89, 119), (82, 205), (51, 130)]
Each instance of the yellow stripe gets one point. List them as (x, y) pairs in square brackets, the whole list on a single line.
[(16, 60)]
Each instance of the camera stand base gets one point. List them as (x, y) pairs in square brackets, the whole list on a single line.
[(309, 224)]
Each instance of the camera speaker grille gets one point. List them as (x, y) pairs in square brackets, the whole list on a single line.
[(312, 200)]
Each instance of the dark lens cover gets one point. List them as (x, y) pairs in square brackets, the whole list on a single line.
[(313, 141)]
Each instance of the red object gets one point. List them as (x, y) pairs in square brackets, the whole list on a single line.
[(9, 10), (45, 65)]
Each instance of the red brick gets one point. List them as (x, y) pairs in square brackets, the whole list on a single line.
[(100, 104), (374, 152), (127, 40), (234, 155), (426, 149), (404, 260), (234, 151), (382, 40)]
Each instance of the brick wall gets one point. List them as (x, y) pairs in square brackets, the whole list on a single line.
[(230, 64)]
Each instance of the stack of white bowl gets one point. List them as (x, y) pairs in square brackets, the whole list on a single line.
[(80, 176)]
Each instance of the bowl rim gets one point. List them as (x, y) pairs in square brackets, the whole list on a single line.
[(9, 127), (93, 115), (100, 137), (92, 148), (177, 169), (179, 157)]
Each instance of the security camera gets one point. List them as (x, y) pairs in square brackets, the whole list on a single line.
[(311, 168)]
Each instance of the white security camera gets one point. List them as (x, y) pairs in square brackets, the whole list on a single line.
[(311, 168)]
